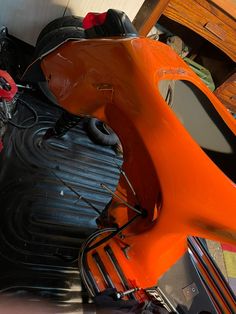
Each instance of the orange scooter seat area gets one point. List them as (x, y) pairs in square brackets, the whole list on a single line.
[(181, 189)]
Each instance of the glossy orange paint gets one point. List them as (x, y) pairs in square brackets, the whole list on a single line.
[(116, 81)]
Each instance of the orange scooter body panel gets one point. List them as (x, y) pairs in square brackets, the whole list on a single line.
[(116, 80)]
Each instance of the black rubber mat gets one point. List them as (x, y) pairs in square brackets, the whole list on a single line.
[(42, 221)]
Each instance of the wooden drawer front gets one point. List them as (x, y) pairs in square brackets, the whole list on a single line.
[(227, 93), (206, 20)]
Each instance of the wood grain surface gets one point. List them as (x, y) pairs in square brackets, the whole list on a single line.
[(227, 93), (208, 20)]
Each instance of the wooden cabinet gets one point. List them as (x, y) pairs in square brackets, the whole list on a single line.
[(207, 18), (227, 93)]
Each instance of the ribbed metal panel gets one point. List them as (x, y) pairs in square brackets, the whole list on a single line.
[(42, 222)]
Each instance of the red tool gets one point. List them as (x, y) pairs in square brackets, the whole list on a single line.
[(8, 88)]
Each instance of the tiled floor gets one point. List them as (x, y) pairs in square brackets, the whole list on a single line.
[(225, 257), (229, 253)]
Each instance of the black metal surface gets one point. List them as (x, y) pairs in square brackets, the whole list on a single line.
[(42, 223), (198, 247), (176, 282)]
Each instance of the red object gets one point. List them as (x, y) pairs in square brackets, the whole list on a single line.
[(7, 95), (1, 145), (94, 19), (228, 247)]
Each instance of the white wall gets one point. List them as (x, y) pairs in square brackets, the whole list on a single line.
[(26, 18), (130, 7)]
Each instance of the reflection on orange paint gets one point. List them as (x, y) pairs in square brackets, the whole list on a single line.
[(116, 81)]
